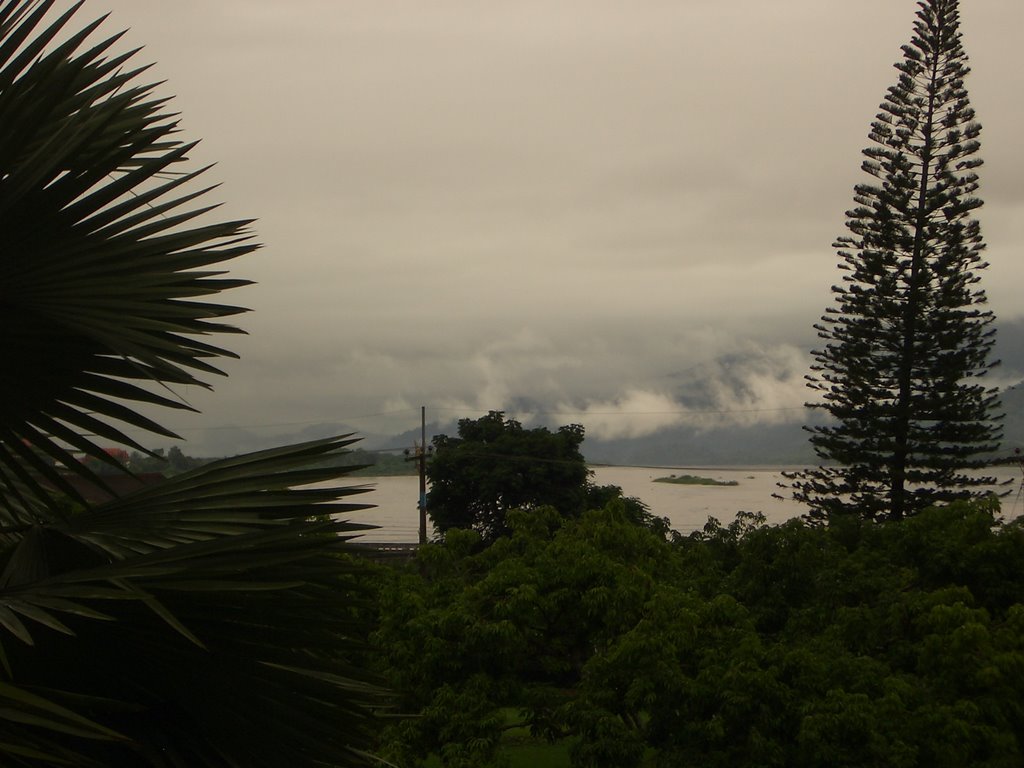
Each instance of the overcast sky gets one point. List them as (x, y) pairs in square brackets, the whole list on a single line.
[(613, 210)]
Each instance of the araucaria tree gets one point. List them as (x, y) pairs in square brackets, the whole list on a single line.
[(908, 339)]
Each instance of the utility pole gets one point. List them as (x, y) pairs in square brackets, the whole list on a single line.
[(423, 474), (420, 456)]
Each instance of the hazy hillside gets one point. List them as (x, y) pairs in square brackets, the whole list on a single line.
[(774, 445), (780, 444)]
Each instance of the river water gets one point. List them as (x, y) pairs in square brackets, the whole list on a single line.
[(686, 506)]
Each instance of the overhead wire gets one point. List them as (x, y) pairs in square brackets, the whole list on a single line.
[(508, 411)]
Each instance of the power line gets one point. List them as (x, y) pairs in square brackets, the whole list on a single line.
[(275, 425), (462, 411), (675, 412)]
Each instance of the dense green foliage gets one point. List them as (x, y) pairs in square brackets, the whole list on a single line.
[(741, 645), (908, 340), (213, 619), (496, 465), (169, 463)]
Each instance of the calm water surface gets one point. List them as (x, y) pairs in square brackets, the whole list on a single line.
[(686, 506)]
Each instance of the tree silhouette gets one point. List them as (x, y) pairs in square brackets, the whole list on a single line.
[(908, 339), (495, 465)]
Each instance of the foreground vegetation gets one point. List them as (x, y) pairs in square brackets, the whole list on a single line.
[(741, 645)]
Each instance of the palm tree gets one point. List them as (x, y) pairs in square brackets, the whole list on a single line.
[(213, 619)]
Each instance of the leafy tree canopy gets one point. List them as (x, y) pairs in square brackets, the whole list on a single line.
[(496, 465), (743, 645)]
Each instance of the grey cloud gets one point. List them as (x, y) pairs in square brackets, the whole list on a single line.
[(556, 206)]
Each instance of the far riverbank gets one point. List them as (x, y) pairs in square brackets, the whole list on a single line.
[(686, 506)]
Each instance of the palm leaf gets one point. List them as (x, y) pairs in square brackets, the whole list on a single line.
[(230, 572), (101, 254), (216, 618)]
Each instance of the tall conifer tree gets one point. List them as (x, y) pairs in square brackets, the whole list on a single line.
[(908, 339)]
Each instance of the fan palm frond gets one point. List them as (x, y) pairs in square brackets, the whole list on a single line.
[(213, 619), (102, 262), (229, 581)]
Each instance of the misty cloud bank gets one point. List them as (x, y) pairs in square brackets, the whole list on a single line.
[(621, 218), (642, 384), (617, 383)]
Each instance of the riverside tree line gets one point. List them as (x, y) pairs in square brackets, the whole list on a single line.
[(219, 618)]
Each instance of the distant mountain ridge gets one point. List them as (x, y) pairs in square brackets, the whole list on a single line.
[(777, 444), (785, 444), (774, 444)]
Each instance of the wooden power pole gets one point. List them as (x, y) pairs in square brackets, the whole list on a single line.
[(423, 474)]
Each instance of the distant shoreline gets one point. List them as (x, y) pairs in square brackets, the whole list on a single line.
[(703, 467)]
